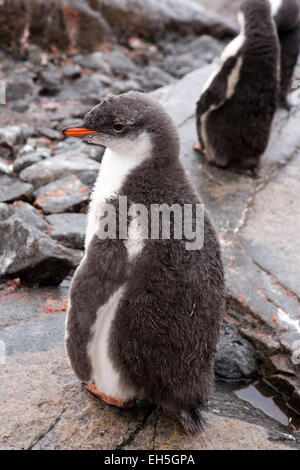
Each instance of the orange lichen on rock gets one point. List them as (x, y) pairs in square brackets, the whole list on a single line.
[(54, 306)]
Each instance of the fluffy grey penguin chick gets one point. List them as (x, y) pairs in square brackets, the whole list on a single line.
[(144, 314), (286, 14), (237, 105)]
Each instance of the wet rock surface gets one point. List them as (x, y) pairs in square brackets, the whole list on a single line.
[(28, 253)]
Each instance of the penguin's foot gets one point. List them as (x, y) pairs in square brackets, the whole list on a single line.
[(109, 400), (198, 147)]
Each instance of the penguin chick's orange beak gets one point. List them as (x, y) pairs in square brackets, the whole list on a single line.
[(77, 131)]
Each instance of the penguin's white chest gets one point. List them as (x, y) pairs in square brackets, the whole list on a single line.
[(106, 375)]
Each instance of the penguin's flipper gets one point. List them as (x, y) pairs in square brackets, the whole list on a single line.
[(215, 94), (109, 400)]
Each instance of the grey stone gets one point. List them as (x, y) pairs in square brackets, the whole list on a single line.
[(86, 24), (57, 167), (64, 195), (28, 253), (276, 245), (21, 304), (68, 229), (95, 61), (120, 63), (89, 86), (12, 189), (19, 87), (71, 71), (5, 167), (6, 211), (29, 158), (29, 214)]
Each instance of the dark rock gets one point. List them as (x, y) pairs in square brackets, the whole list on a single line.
[(12, 189), (53, 168), (95, 61), (235, 358), (50, 80), (23, 304), (26, 212), (279, 364), (20, 87), (71, 71), (68, 229), (29, 254), (89, 86), (29, 158), (64, 195), (6, 211)]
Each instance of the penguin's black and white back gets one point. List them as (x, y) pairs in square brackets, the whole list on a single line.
[(286, 14), (144, 314), (236, 107)]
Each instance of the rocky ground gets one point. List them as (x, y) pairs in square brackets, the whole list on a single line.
[(45, 183)]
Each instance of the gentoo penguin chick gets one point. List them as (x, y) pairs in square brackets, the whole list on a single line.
[(287, 18), (237, 105), (144, 313)]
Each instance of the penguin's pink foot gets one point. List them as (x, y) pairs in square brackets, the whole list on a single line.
[(197, 147), (109, 400)]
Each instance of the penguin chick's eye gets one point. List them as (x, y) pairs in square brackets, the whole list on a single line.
[(119, 127)]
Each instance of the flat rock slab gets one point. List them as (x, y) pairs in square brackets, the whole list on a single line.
[(68, 229), (45, 406), (30, 254), (64, 195), (12, 189), (53, 168), (25, 211)]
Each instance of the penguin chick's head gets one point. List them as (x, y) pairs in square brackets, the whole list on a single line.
[(120, 122)]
